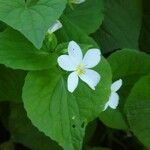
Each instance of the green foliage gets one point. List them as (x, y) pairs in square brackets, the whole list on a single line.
[(138, 110), (11, 82), (113, 119), (55, 109), (145, 31), (72, 32), (129, 65), (31, 17), (18, 53), (37, 111), (51, 107), (86, 19), (24, 132), (121, 26)]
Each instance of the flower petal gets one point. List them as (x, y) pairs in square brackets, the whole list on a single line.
[(72, 82), (113, 100), (106, 106), (92, 58), (116, 85), (65, 63), (75, 52), (90, 77), (77, 1), (54, 27)]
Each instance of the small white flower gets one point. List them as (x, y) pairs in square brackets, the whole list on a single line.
[(55, 26), (114, 97), (77, 1), (80, 66)]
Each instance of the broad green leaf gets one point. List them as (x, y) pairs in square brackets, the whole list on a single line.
[(18, 53), (71, 32), (11, 83), (51, 108), (129, 65), (31, 18), (121, 26), (138, 110), (88, 16), (113, 119), (60, 114), (22, 131)]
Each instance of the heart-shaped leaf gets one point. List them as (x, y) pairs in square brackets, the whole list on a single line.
[(60, 114), (88, 16), (32, 17), (18, 53)]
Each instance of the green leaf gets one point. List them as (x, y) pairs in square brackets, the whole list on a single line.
[(96, 99), (22, 131), (138, 110), (18, 53), (145, 31), (11, 83), (31, 18), (113, 119), (129, 65), (71, 32), (89, 132), (2, 26), (121, 26), (60, 114), (88, 16), (51, 108)]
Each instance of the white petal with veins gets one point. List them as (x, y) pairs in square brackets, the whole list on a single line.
[(72, 82), (113, 100), (66, 63), (75, 52), (90, 77), (116, 85), (92, 58), (74, 62)]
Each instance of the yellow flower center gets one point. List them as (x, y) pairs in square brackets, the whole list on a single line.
[(80, 69)]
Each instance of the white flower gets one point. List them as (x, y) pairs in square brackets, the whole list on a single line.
[(55, 26), (114, 97), (77, 1), (80, 66)]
